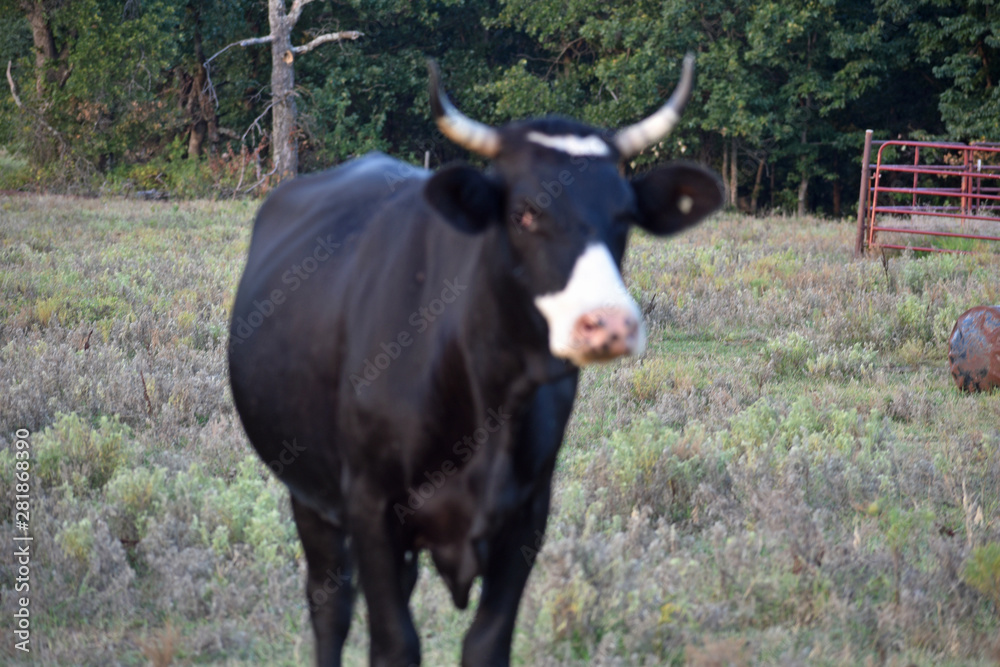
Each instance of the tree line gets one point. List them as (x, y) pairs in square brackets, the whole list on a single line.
[(116, 93)]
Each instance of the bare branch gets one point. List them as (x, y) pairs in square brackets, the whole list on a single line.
[(131, 10), (243, 42), (20, 105), (256, 157), (13, 88), (254, 125), (296, 11), (65, 148), (329, 37), (259, 182), (209, 86), (256, 122)]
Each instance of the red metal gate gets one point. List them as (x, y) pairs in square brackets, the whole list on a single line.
[(954, 193)]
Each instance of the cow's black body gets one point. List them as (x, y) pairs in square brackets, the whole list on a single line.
[(345, 438), (390, 365)]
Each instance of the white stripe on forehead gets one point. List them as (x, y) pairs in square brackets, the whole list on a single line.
[(572, 144), (594, 283)]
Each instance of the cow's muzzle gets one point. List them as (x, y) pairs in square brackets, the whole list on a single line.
[(604, 334)]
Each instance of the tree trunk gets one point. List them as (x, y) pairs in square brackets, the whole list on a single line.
[(284, 142), (803, 191), (201, 111), (772, 187), (837, 186), (725, 167), (756, 187), (283, 111), (804, 180), (733, 177), (43, 39), (196, 138)]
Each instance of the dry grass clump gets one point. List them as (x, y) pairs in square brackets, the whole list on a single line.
[(788, 476), (160, 648)]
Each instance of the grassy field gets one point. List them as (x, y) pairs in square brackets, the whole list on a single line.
[(787, 476)]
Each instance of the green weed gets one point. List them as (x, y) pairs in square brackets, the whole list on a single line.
[(73, 451), (982, 572)]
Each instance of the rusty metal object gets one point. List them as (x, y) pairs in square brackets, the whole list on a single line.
[(974, 349)]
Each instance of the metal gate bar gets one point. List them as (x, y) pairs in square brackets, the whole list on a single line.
[(933, 194)]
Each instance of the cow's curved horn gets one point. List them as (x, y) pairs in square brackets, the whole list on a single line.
[(455, 125), (634, 138)]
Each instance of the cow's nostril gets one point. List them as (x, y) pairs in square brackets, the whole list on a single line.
[(592, 323), (606, 333)]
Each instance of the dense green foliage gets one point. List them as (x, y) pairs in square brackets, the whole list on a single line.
[(789, 85)]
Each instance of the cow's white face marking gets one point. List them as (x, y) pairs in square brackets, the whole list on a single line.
[(572, 144), (594, 283), (685, 204)]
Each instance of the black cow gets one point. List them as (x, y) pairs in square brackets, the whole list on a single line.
[(405, 349)]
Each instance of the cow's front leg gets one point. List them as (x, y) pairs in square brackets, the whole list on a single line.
[(386, 576), (328, 582), (487, 644)]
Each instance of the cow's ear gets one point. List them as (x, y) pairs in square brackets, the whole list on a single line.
[(676, 196), (465, 197)]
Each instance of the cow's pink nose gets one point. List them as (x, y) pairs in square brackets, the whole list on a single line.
[(605, 333)]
